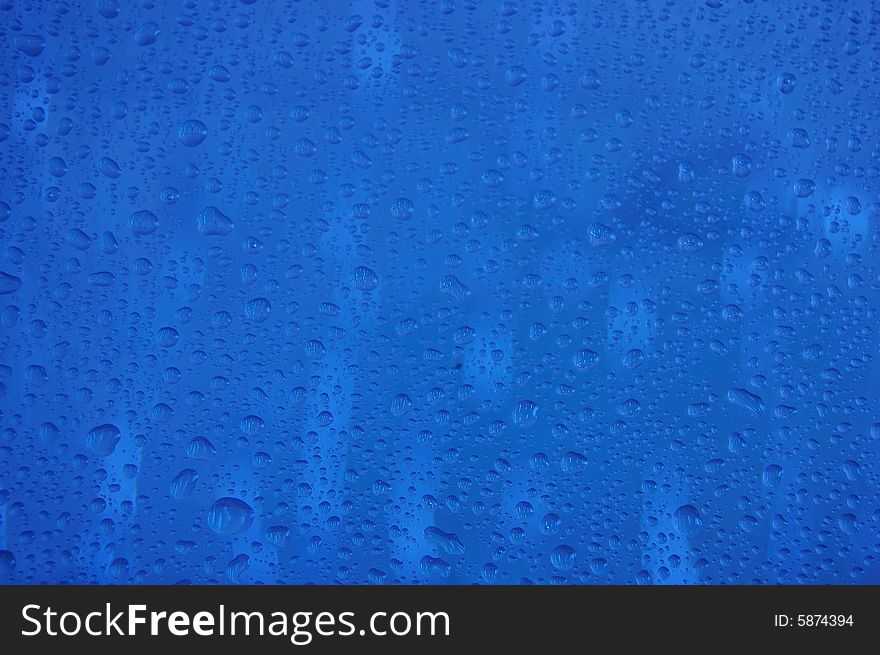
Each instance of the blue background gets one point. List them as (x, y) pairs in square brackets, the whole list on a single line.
[(439, 292)]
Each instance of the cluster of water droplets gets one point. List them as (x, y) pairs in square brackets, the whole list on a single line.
[(439, 292)]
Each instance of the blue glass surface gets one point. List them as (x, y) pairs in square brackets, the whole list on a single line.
[(439, 292)]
